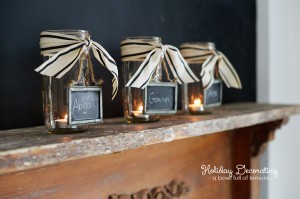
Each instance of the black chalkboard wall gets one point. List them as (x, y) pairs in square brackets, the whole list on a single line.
[(228, 23)]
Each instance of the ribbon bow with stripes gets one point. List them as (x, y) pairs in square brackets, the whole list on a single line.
[(212, 58), (151, 54), (65, 50)]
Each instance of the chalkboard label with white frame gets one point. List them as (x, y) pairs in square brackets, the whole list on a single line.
[(160, 98), (213, 95), (85, 105)]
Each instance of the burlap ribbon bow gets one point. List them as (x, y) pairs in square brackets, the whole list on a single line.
[(212, 60), (151, 54), (65, 50)]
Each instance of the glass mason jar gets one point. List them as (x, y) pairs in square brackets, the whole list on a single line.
[(195, 99), (133, 106), (55, 97)]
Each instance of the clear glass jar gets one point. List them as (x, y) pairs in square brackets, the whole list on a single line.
[(195, 99), (55, 97), (133, 97)]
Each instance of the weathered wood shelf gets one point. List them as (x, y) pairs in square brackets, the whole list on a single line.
[(29, 148)]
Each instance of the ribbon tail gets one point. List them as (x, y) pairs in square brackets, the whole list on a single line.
[(207, 72), (228, 73), (143, 75), (180, 69), (61, 62), (109, 63)]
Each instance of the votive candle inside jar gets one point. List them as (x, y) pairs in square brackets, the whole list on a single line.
[(139, 113), (62, 123), (55, 98), (193, 94), (197, 106), (133, 97)]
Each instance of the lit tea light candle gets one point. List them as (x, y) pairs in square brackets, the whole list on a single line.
[(197, 106), (140, 108), (139, 112), (62, 123)]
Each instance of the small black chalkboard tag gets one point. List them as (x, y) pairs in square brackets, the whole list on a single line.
[(85, 105), (160, 98), (213, 95)]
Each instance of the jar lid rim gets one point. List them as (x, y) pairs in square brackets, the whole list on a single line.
[(202, 43), (143, 37), (69, 31)]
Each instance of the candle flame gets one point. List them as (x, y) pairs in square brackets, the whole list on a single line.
[(141, 108), (197, 101), (66, 117)]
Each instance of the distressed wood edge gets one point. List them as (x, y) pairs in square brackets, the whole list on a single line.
[(263, 134), (38, 156)]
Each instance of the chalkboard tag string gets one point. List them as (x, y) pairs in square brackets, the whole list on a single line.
[(89, 70), (166, 70)]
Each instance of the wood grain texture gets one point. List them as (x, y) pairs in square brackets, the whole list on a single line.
[(247, 144), (255, 184), (22, 149), (129, 172), (241, 155)]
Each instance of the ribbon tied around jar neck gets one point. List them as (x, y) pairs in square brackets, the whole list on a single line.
[(65, 50), (151, 54), (214, 61)]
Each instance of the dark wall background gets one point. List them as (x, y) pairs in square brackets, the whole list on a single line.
[(228, 23)]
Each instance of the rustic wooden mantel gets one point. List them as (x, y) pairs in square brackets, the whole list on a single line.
[(32, 148)]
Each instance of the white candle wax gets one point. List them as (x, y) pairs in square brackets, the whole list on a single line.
[(139, 113), (62, 123), (197, 106)]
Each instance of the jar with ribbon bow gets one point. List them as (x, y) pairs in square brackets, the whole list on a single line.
[(213, 68), (149, 90), (72, 96)]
